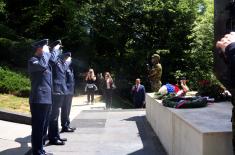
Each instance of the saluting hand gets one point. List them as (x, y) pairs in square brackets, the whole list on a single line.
[(69, 59), (45, 48), (57, 47)]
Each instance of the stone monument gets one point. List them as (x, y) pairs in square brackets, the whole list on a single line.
[(155, 73)]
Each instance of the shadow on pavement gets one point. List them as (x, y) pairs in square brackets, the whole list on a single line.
[(151, 143), (22, 150)]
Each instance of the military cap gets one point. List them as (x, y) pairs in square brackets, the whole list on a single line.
[(156, 56), (67, 54), (40, 43), (57, 42), (64, 55)]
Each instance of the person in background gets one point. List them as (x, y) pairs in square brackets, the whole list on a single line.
[(66, 107), (90, 86), (227, 48), (40, 99), (138, 93), (108, 90)]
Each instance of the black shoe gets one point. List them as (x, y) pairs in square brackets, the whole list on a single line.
[(72, 128), (44, 140), (67, 130), (56, 142), (63, 139), (46, 153)]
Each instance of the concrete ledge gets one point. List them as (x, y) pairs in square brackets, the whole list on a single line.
[(15, 117), (203, 131)]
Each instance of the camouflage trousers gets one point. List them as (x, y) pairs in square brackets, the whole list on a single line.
[(155, 86)]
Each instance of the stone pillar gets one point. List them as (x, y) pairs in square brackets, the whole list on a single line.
[(221, 18)]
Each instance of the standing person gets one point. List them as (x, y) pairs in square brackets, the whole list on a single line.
[(40, 96), (90, 86), (59, 91), (227, 46), (138, 92), (108, 92), (66, 107)]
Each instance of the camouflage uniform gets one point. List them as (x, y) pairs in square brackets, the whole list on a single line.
[(156, 73)]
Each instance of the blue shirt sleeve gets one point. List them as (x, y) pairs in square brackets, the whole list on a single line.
[(67, 64), (39, 64), (54, 55)]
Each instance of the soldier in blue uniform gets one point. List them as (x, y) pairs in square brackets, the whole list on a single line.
[(41, 92), (59, 69), (66, 107)]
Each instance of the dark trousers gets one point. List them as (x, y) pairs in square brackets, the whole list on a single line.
[(65, 111), (40, 113), (53, 133), (108, 97), (138, 104), (90, 94), (233, 119)]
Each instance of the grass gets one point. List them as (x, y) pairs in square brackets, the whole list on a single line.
[(14, 103)]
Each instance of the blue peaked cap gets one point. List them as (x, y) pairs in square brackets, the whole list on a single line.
[(40, 43)]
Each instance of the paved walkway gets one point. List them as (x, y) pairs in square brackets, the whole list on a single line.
[(99, 132), (117, 132), (15, 138)]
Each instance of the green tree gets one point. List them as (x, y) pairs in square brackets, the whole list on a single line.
[(201, 56)]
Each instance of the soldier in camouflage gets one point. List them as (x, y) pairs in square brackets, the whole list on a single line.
[(155, 73)]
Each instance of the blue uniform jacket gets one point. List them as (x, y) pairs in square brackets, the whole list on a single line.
[(230, 53), (138, 95), (59, 77), (70, 82), (40, 73)]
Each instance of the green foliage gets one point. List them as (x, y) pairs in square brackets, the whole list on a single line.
[(13, 83), (118, 35), (15, 53), (198, 61), (212, 88)]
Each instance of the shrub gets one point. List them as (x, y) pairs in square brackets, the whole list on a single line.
[(15, 53), (14, 83)]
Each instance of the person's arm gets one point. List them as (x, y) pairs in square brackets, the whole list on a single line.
[(230, 54), (67, 63), (132, 90), (41, 64), (94, 78), (55, 53), (87, 77), (144, 94)]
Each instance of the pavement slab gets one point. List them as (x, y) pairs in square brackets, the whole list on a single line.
[(114, 132)]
